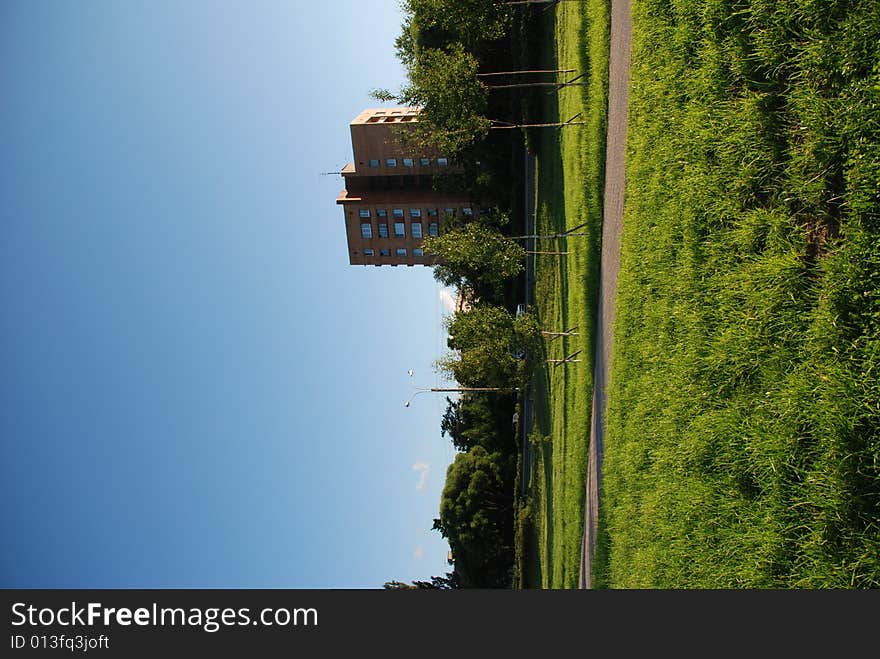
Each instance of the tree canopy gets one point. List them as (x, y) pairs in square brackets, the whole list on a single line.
[(490, 347), (470, 22), (479, 419), (477, 259), (475, 516), (448, 582), (444, 84)]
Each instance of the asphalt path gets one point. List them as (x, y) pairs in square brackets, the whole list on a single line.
[(612, 223)]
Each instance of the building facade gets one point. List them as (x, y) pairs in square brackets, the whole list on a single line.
[(389, 204)]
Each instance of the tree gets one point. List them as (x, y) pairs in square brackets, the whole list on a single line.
[(476, 517), (405, 43), (490, 347), (477, 259), (467, 21), (452, 424), (444, 83), (448, 582), (480, 420)]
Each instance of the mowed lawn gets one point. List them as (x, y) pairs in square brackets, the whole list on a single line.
[(569, 193), (743, 440)]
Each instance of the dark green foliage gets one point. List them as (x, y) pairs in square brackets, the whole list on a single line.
[(477, 258), (444, 83), (450, 581), (476, 517), (444, 44), (491, 347), (480, 420), (473, 23)]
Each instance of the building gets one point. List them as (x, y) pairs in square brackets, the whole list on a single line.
[(389, 203)]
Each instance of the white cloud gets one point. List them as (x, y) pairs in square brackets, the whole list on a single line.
[(447, 299), (419, 552), (423, 468)]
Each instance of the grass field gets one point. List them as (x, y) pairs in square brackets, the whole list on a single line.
[(569, 193), (743, 440)]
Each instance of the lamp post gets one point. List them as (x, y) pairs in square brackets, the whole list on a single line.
[(422, 390)]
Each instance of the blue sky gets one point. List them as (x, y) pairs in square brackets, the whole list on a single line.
[(198, 390)]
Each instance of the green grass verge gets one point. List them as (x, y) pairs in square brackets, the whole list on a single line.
[(569, 193), (743, 439)]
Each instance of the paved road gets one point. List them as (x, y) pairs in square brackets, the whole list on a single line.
[(612, 222)]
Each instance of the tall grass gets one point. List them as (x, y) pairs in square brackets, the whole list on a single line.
[(743, 440)]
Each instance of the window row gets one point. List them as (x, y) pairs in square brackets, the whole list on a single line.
[(413, 212), (376, 120), (400, 251), (409, 162), (415, 229)]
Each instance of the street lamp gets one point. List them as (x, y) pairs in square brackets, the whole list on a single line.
[(421, 390)]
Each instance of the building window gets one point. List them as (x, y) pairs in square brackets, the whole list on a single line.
[(399, 230), (368, 252), (449, 211), (373, 162), (416, 229), (425, 162), (433, 229), (415, 212), (401, 251), (383, 229), (418, 251), (397, 212), (381, 213), (442, 162), (385, 252), (432, 212), (407, 162), (467, 211), (364, 212), (366, 230), (391, 162)]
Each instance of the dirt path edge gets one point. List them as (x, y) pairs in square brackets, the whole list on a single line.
[(612, 223)]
